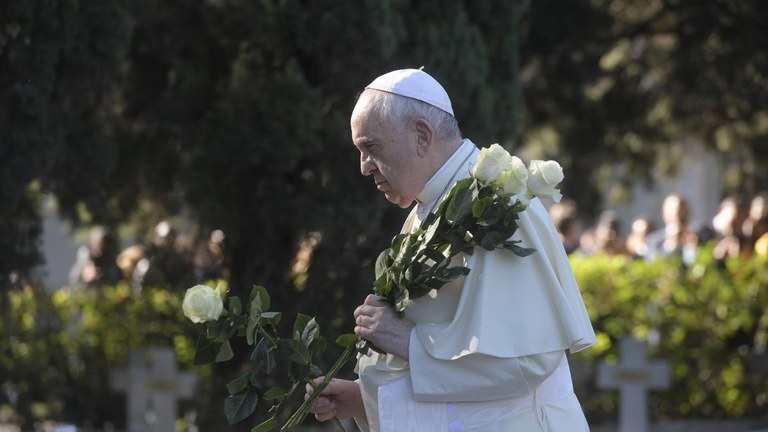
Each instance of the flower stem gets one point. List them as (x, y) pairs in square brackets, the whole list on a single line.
[(303, 410)]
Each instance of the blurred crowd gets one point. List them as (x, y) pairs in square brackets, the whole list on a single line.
[(171, 259), (738, 229)]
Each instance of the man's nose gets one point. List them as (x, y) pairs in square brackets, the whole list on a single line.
[(367, 167)]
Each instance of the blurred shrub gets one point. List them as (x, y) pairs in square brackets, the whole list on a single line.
[(708, 321), (57, 349)]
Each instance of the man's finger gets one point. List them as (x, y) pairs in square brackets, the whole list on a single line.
[(373, 300)]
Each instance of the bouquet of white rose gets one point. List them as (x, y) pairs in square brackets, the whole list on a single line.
[(479, 211)]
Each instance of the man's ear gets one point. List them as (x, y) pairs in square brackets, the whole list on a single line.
[(425, 136)]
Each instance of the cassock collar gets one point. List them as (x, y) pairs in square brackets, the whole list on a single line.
[(445, 177)]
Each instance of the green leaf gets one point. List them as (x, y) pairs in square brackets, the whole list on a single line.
[(262, 354), (300, 354), (518, 250), (296, 351), (315, 371), (260, 298), (480, 207), (434, 255), (385, 288), (452, 273), (309, 332), (235, 306), (299, 324), (241, 405), (461, 204), (238, 384), (318, 346), (406, 250), (402, 300), (225, 352), (252, 329), (272, 317), (347, 339), (419, 290), (382, 263), (206, 350), (275, 393), (429, 220), (491, 240), (265, 426)]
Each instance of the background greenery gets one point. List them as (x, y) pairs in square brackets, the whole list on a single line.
[(710, 323), (235, 113)]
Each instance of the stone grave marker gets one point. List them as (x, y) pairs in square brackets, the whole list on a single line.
[(153, 385), (633, 376)]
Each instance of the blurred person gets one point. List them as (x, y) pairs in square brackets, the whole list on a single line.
[(675, 237), (588, 241), (566, 219), (607, 238), (727, 224), (636, 243), (133, 264), (170, 261), (209, 258), (756, 223), (96, 261)]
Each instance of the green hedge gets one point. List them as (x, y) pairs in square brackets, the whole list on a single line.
[(56, 350), (708, 320)]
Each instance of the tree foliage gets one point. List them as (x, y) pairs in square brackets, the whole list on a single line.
[(59, 62), (617, 86)]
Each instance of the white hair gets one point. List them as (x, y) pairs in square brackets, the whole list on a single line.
[(402, 110)]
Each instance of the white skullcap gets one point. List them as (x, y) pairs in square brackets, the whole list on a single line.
[(415, 84)]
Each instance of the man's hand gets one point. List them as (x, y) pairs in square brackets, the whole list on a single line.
[(340, 399), (378, 323)]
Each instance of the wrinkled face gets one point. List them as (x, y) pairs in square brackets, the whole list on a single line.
[(387, 153)]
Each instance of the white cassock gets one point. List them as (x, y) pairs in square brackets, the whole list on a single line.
[(488, 351)]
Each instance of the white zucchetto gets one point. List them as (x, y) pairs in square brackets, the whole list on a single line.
[(415, 84)]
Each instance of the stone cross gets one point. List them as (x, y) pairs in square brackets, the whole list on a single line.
[(153, 384), (633, 376)]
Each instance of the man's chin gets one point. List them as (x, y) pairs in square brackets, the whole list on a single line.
[(398, 200)]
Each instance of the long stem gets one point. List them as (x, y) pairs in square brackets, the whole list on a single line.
[(303, 410)]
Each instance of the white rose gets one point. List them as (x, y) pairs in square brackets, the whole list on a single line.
[(202, 303), (512, 181), (491, 162), (543, 177)]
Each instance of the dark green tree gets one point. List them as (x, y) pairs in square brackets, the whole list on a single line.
[(59, 71), (623, 84)]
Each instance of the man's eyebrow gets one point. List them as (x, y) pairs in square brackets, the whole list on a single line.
[(363, 141)]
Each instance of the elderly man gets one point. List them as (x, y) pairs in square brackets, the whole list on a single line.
[(487, 352)]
